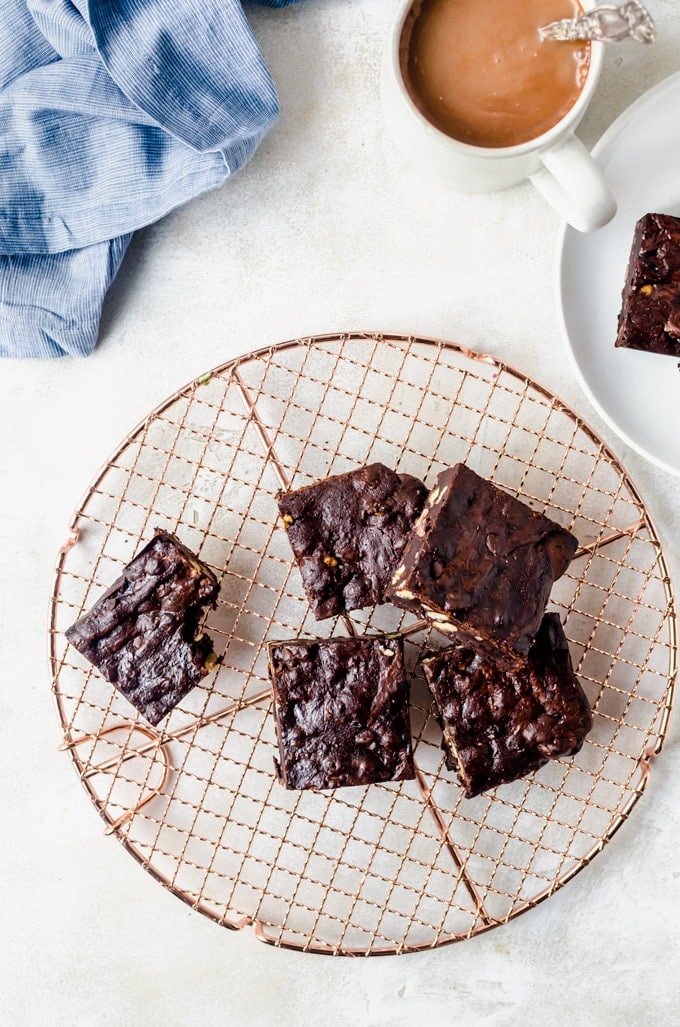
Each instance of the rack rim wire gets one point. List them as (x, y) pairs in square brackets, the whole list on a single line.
[(456, 877)]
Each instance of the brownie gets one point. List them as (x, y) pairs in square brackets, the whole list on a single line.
[(341, 708), (502, 720), (482, 562), (347, 534), (143, 634), (649, 318)]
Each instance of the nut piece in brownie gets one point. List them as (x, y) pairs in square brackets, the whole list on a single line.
[(341, 709), (481, 562), (502, 720), (347, 534), (143, 634), (649, 318)]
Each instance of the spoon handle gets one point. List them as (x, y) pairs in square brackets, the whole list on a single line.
[(605, 24)]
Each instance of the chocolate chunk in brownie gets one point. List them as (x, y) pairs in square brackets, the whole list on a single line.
[(143, 634), (649, 318), (347, 534), (481, 561), (341, 708), (501, 720)]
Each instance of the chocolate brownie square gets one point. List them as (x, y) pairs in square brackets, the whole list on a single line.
[(143, 634), (502, 720), (347, 534), (649, 318), (341, 708), (482, 562)]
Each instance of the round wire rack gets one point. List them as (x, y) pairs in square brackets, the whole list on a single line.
[(392, 867)]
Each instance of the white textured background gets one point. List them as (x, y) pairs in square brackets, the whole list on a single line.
[(324, 231)]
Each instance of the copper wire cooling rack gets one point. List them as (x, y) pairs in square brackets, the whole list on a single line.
[(386, 868)]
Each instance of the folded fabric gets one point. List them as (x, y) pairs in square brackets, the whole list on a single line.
[(111, 115)]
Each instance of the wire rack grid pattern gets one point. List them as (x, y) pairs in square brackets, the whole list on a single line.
[(386, 868)]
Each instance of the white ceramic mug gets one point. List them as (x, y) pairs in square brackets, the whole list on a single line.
[(556, 162)]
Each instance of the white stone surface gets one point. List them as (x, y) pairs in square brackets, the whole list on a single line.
[(326, 230)]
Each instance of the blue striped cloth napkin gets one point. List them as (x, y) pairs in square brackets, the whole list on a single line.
[(111, 115)]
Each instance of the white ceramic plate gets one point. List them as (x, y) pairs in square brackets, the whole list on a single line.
[(638, 394)]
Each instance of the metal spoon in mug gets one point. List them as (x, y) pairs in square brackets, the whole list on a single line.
[(606, 25)]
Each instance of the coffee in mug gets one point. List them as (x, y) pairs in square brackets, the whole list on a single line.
[(479, 71)]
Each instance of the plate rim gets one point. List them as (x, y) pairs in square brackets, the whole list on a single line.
[(615, 129)]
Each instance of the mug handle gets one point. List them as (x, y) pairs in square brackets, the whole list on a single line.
[(574, 185)]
